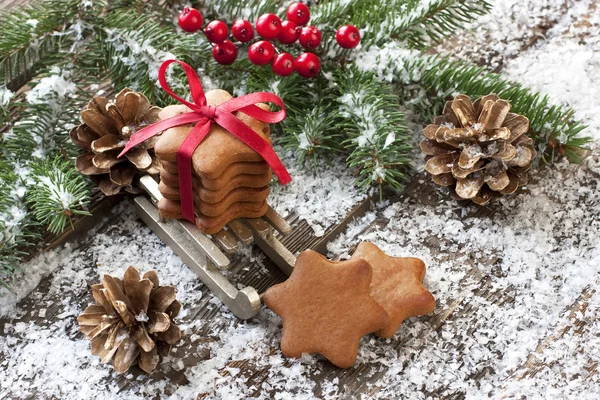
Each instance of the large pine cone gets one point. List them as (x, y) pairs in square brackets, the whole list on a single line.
[(106, 129), (132, 320), (479, 150)]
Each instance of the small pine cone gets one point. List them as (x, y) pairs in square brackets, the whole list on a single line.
[(478, 150), (132, 320), (105, 130)]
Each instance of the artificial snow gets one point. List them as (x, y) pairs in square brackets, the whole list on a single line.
[(52, 87), (567, 67), (356, 106), (322, 195), (5, 96), (59, 194), (32, 22), (51, 91), (130, 51), (516, 286)]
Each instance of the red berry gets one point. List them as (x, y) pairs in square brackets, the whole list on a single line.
[(308, 65), (283, 64), (225, 52), (216, 31), (242, 30), (289, 32), (347, 37), (310, 37), (298, 13), (190, 20), (268, 26), (261, 52)]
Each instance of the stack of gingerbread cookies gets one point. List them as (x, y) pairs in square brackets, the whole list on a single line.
[(230, 180)]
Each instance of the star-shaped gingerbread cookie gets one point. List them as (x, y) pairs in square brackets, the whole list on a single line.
[(326, 308), (396, 286)]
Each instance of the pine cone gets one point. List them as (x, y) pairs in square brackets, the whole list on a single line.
[(106, 129), (131, 320), (479, 150)]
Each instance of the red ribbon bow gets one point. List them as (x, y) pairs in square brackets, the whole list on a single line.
[(204, 115)]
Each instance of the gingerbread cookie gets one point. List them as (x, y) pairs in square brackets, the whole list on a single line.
[(219, 149), (396, 286), (326, 308), (256, 196), (235, 169), (211, 225), (215, 196)]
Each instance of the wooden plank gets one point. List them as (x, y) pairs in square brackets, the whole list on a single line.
[(486, 53), (354, 382), (8, 4), (576, 317)]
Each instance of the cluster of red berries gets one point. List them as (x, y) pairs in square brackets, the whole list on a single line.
[(269, 27)]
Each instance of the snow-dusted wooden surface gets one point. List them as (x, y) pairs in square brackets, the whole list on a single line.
[(516, 282)]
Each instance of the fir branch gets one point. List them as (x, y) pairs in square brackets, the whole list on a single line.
[(376, 132), (130, 46), (551, 126), (32, 36), (41, 134), (5, 97), (162, 9), (58, 192), (313, 135), (17, 228), (419, 23), (311, 127), (229, 10), (45, 117), (426, 23), (435, 79)]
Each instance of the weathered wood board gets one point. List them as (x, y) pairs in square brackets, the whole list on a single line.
[(358, 381)]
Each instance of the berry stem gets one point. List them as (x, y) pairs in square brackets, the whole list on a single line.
[(278, 49)]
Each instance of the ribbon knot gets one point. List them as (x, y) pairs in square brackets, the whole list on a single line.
[(204, 115), (208, 111)]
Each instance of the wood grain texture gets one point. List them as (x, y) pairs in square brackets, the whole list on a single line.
[(353, 382), (8, 4)]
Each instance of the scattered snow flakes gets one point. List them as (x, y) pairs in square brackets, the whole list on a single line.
[(363, 110), (490, 318), (518, 293), (390, 62), (567, 67), (51, 88), (32, 22), (59, 194), (5, 96), (130, 50), (513, 25), (47, 357), (322, 195), (502, 285)]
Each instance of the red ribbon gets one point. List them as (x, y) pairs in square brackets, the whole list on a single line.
[(204, 115)]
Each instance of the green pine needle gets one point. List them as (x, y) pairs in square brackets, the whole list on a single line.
[(58, 193), (376, 134)]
